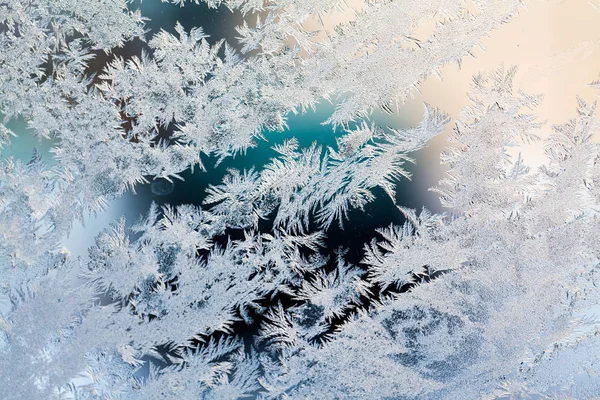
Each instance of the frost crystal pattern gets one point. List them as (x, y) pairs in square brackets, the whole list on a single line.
[(241, 296)]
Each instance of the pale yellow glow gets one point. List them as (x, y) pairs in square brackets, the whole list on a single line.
[(555, 44)]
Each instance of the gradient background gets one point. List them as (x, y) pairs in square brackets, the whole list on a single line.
[(554, 43)]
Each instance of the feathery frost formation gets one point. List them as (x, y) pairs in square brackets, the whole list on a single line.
[(491, 300)]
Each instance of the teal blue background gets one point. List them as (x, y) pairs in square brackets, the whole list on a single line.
[(307, 128)]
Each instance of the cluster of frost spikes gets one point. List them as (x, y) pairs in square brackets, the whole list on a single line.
[(489, 301), (515, 285), (105, 127)]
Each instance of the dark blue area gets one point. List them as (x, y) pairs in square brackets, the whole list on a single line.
[(219, 23), (307, 128), (358, 230)]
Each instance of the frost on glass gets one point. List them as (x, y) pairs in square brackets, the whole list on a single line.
[(240, 297)]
